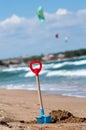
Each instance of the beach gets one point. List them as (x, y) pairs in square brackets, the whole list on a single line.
[(18, 109)]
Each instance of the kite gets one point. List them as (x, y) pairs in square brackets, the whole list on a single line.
[(57, 35), (40, 14), (66, 39)]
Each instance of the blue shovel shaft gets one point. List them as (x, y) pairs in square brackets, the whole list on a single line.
[(42, 112)]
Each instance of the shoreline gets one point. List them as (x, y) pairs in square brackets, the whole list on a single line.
[(44, 92)]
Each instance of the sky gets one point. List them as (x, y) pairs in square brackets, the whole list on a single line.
[(23, 34)]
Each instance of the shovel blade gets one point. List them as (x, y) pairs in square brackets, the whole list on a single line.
[(44, 119)]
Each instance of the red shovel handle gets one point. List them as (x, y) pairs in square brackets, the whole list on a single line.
[(35, 70)]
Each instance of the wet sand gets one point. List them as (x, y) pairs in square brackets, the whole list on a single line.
[(18, 109)]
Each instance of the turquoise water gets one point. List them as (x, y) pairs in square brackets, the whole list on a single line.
[(63, 77)]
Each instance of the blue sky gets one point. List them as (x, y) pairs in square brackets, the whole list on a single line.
[(23, 34)]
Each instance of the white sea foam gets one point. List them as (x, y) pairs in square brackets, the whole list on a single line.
[(16, 69), (67, 73), (58, 65), (73, 95), (48, 66), (20, 86), (31, 74)]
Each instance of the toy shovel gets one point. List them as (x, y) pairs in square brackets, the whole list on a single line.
[(42, 119)]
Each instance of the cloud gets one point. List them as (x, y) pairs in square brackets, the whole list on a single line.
[(13, 20), (62, 12), (24, 32), (82, 12)]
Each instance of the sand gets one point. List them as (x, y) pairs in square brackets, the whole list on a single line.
[(18, 109)]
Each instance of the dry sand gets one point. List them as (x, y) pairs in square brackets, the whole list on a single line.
[(18, 109)]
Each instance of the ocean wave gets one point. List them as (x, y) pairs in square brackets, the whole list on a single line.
[(66, 73), (16, 69), (77, 63), (31, 74), (48, 66), (19, 86)]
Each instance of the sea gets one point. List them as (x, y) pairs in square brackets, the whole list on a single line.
[(65, 77)]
